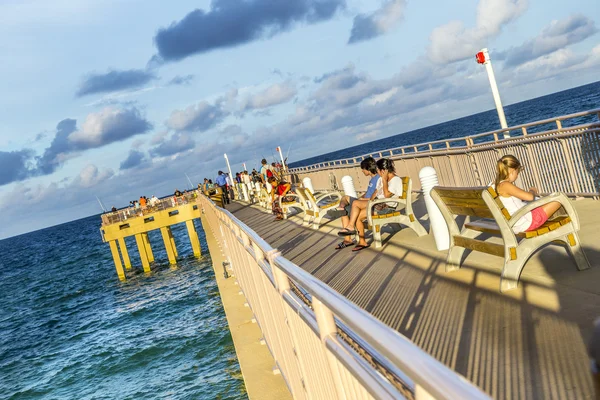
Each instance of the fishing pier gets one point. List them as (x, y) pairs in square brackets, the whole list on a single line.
[(137, 222), (394, 322)]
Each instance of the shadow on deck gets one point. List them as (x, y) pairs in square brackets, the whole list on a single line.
[(529, 343)]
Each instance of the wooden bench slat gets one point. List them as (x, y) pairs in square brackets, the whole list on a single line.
[(460, 193), (473, 212), (485, 226), (479, 245), (452, 201)]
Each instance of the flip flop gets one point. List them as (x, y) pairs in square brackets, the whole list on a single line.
[(336, 213), (344, 244), (360, 247), (346, 232)]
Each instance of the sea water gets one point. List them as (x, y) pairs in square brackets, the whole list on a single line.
[(69, 329)]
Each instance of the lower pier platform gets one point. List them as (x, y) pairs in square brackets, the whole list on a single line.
[(528, 343)]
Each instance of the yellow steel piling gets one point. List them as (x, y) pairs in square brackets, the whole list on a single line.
[(166, 236), (139, 240), (148, 247), (193, 235), (115, 253), (124, 253)]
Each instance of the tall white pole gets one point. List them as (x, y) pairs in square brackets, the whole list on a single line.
[(230, 174), (282, 160), (483, 57), (244, 165)]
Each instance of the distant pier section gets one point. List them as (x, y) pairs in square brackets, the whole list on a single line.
[(137, 222)]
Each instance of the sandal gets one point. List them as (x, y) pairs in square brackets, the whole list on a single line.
[(337, 213), (346, 232), (344, 244), (360, 247)]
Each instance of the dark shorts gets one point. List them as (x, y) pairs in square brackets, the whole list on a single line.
[(348, 208), (384, 210)]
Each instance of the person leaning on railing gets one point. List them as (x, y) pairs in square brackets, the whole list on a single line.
[(280, 189)]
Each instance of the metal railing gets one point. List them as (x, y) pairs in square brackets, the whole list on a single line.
[(564, 158), (325, 346), (163, 203)]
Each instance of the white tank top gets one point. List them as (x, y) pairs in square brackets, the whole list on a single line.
[(512, 205)]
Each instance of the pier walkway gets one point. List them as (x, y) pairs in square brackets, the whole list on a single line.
[(523, 344)]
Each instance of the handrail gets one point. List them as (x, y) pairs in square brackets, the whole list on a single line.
[(429, 376), (414, 148)]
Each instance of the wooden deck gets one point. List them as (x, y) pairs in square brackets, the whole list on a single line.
[(529, 343)]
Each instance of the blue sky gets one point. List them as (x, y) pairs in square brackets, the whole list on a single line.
[(118, 99)]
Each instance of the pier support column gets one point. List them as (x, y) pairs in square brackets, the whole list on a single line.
[(191, 228), (139, 240), (148, 247), (172, 239), (124, 253), (115, 253), (166, 235)]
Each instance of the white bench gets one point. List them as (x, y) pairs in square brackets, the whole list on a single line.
[(516, 249)]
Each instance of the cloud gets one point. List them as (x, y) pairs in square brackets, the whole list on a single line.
[(99, 129), (134, 159), (557, 35), (454, 42), (15, 166), (113, 81), (277, 93), (379, 22), (181, 80), (107, 126), (231, 23), (177, 143), (90, 176), (200, 117)]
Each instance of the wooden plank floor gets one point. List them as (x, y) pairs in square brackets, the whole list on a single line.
[(529, 343)]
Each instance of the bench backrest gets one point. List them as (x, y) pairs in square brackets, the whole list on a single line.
[(470, 201)]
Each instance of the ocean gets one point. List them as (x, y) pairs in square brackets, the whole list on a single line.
[(69, 329), (569, 101)]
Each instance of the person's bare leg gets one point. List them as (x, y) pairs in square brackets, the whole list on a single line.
[(344, 202), (360, 227), (551, 208), (357, 207)]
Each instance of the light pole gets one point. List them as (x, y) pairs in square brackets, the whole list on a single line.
[(483, 57), (282, 160), (230, 174)]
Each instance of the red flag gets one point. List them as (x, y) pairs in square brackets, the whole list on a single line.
[(277, 149)]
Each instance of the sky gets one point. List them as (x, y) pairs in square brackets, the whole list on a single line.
[(118, 99)]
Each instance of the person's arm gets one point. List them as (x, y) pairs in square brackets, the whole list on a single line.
[(384, 179), (508, 189)]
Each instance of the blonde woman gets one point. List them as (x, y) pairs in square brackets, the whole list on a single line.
[(513, 198)]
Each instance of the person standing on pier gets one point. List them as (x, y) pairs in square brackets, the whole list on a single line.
[(221, 182), (280, 189)]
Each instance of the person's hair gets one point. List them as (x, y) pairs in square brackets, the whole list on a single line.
[(502, 168), (220, 172), (272, 179), (369, 164), (386, 164), (210, 181), (263, 161)]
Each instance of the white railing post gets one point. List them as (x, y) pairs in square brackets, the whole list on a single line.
[(245, 192), (348, 186), (328, 330), (429, 180)]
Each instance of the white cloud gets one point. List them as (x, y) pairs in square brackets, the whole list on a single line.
[(556, 36), (454, 42), (199, 117), (90, 176), (275, 94)]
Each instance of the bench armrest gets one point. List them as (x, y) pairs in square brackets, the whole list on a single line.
[(556, 196), (373, 203), (328, 194)]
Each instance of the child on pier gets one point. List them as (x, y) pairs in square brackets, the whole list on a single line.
[(280, 189), (513, 198)]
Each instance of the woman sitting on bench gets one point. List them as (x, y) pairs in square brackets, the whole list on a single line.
[(390, 185), (513, 198)]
